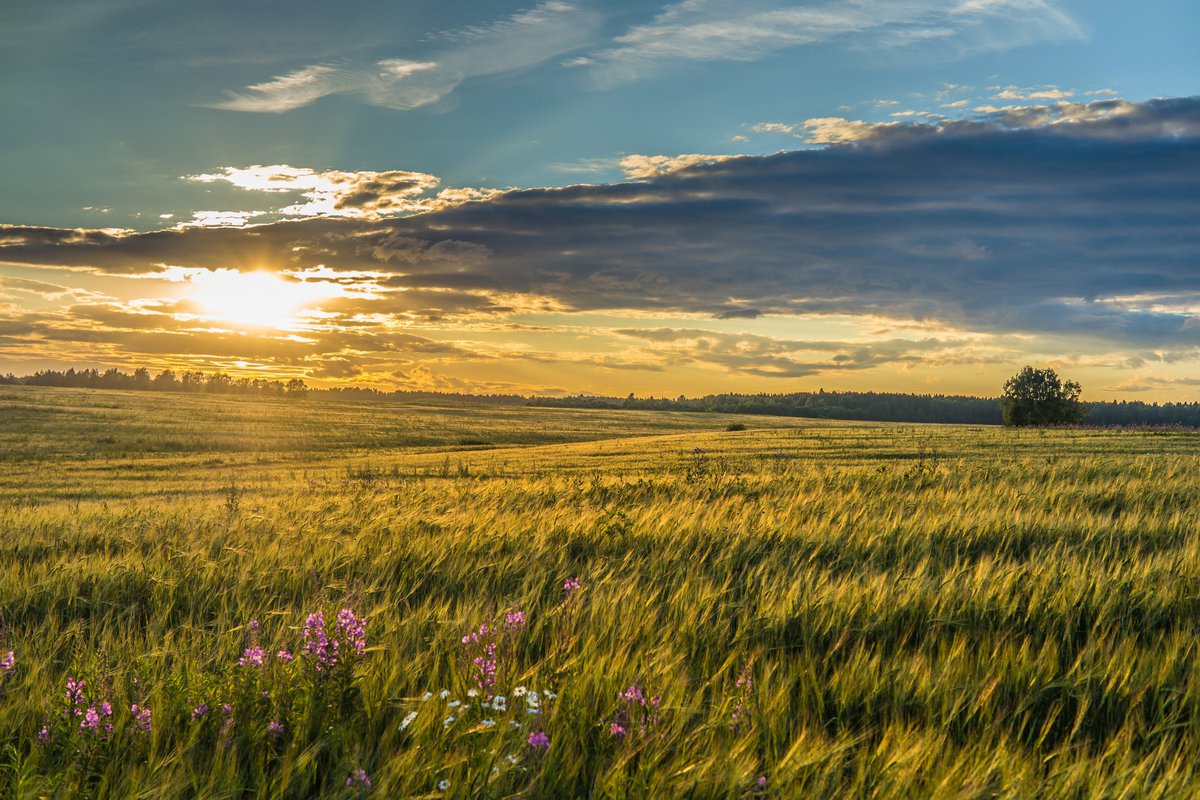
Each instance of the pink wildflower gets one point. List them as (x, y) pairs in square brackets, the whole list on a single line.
[(352, 628), (317, 644), (141, 719), (252, 657), (284, 655), (200, 711), (358, 781), (75, 695), (514, 620), (538, 740), (93, 719), (7, 663)]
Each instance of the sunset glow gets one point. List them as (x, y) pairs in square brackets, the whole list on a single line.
[(256, 299)]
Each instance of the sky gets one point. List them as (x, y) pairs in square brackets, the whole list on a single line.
[(606, 197)]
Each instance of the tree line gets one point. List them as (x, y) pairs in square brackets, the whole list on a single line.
[(165, 381), (887, 407), (865, 406)]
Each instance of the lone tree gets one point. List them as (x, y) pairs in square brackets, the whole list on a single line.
[(1039, 397)]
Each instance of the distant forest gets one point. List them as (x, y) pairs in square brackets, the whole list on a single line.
[(882, 407), (874, 406)]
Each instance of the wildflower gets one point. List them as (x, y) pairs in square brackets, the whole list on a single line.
[(7, 663), (453, 704), (285, 656), (616, 730), (487, 723), (520, 691), (539, 741), (317, 644), (500, 703), (472, 693), (444, 693), (408, 719), (448, 721), (226, 708), (514, 620), (570, 586), (760, 785), (275, 729), (93, 720), (44, 735), (443, 785), (200, 711), (75, 694), (549, 695), (485, 667), (358, 781), (514, 723), (141, 719), (512, 759), (253, 626), (252, 657), (427, 696), (741, 706), (352, 629)]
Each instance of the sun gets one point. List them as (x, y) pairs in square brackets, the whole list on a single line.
[(256, 299)]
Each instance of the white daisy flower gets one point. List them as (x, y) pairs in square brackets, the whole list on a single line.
[(519, 691), (443, 785), (408, 720)]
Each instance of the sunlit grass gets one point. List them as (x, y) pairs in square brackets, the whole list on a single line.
[(923, 611)]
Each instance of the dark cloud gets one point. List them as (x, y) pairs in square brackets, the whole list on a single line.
[(1084, 224)]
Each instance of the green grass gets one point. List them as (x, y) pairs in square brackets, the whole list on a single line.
[(925, 611)]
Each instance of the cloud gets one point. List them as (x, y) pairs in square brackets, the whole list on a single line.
[(1070, 221), (774, 357), (513, 44), (1033, 93), (1155, 383), (1116, 118), (332, 193), (221, 219), (639, 167), (747, 30)]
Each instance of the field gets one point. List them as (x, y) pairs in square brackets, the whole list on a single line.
[(800, 609)]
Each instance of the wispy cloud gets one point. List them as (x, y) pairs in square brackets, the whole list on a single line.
[(641, 167), (515, 43), (746, 30)]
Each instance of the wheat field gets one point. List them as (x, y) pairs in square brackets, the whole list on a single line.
[(276, 599)]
